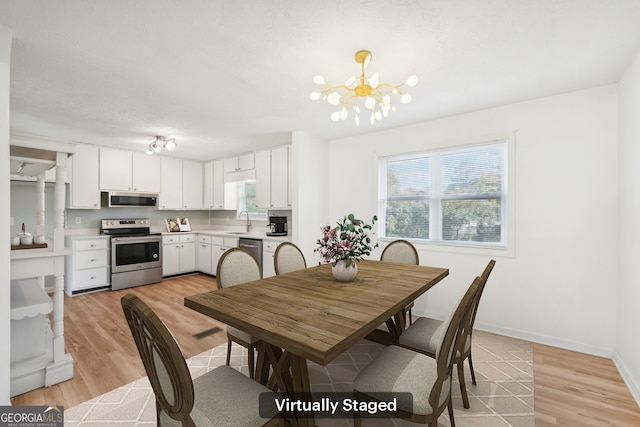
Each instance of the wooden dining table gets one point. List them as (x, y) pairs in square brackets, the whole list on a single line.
[(308, 315)]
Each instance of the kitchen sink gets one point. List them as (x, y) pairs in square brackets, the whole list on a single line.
[(238, 232)]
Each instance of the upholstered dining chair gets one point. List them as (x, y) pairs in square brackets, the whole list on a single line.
[(222, 396), (237, 266), (288, 257), (425, 380), (403, 252), (423, 336)]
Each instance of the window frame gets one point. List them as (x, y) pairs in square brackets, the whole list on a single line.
[(436, 197)]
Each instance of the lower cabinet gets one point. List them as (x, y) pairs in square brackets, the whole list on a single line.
[(268, 257), (87, 269), (178, 254), (203, 252), (220, 245)]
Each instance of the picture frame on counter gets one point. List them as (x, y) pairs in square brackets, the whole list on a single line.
[(177, 224)]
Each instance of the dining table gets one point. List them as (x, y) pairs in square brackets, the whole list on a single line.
[(306, 315)]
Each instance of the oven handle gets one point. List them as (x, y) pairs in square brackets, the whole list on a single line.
[(136, 239)]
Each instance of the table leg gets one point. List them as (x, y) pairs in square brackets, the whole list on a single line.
[(289, 375)]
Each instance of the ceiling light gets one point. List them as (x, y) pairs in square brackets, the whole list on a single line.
[(159, 143), (377, 96)]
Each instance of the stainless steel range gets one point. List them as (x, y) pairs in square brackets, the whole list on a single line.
[(136, 253)]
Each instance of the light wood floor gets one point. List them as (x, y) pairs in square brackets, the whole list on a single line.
[(571, 389)]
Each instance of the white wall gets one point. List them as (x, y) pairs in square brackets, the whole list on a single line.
[(558, 284), (627, 356), (5, 290), (309, 191)]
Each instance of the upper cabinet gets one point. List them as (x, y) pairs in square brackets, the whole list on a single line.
[(181, 184), (145, 176), (239, 163), (83, 185), (191, 184), (214, 184), (273, 187), (122, 170)]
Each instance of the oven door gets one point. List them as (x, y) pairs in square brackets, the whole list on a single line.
[(135, 253)]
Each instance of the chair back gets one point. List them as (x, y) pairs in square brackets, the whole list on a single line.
[(236, 266), (288, 257), (162, 359), (476, 303), (400, 251), (450, 343)]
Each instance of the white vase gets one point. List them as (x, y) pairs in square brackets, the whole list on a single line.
[(342, 273)]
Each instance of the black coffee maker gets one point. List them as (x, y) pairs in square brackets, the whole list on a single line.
[(277, 226)]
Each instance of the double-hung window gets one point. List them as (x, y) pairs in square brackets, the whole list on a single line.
[(454, 195)]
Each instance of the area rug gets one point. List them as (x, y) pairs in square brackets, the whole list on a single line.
[(503, 396)]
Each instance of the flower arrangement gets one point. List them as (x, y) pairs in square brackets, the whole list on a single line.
[(348, 241)]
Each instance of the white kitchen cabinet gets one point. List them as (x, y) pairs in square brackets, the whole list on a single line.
[(87, 270), (203, 252), (268, 256), (122, 170), (181, 184), (84, 185), (220, 245), (272, 178), (239, 163), (214, 184), (191, 184), (145, 173), (171, 184), (115, 169), (178, 254)]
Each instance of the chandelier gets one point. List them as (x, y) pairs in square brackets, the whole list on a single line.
[(377, 96), (159, 143)]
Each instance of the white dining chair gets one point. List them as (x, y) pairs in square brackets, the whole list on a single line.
[(237, 266), (288, 257), (222, 396), (423, 336), (403, 252), (424, 381)]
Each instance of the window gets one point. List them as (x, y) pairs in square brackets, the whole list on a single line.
[(456, 195), (246, 199)]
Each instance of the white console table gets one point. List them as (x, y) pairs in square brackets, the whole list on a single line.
[(38, 355)]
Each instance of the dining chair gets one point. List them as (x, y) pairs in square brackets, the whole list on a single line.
[(403, 252), (237, 266), (222, 396), (288, 257), (423, 336), (424, 381)]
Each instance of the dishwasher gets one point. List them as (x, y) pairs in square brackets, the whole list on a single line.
[(254, 247)]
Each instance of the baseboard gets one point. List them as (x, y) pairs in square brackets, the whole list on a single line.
[(629, 380), (542, 339)]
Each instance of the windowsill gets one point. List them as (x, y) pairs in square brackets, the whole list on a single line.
[(454, 247)]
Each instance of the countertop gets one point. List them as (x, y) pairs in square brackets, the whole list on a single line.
[(233, 233)]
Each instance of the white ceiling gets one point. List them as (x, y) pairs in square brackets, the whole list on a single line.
[(225, 77)]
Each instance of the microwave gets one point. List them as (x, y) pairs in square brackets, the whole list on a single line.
[(114, 199)]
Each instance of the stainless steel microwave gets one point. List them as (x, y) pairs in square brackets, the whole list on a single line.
[(121, 199)]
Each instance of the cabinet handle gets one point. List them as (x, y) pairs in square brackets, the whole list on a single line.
[(92, 245), (93, 260), (93, 277)]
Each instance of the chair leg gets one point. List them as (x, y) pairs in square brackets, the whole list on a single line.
[(228, 351), (463, 387), (410, 316), (452, 421), (473, 375)]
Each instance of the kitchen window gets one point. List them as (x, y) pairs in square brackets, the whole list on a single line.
[(445, 196), (246, 201)]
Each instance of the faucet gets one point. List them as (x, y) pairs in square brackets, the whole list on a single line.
[(248, 221)]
